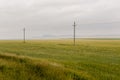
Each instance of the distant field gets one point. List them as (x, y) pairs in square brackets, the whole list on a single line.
[(90, 59)]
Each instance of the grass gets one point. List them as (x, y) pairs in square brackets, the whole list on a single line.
[(60, 60)]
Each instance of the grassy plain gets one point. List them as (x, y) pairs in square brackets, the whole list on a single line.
[(60, 60)]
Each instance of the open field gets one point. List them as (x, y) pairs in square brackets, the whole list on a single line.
[(60, 60)]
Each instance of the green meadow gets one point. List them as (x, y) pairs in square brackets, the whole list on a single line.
[(90, 59)]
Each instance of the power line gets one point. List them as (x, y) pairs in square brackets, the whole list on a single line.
[(114, 22)]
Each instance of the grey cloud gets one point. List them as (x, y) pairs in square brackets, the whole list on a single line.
[(55, 17)]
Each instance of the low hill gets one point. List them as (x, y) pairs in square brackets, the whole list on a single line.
[(13, 67)]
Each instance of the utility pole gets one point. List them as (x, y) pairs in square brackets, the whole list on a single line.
[(24, 39), (74, 32)]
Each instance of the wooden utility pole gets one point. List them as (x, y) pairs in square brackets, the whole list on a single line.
[(74, 33), (24, 37)]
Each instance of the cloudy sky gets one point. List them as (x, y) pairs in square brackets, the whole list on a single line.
[(54, 18)]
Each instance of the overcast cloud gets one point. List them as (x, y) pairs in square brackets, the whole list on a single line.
[(54, 18)]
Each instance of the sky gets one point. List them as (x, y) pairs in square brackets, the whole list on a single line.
[(55, 18)]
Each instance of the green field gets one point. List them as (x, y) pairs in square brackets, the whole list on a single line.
[(60, 60)]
